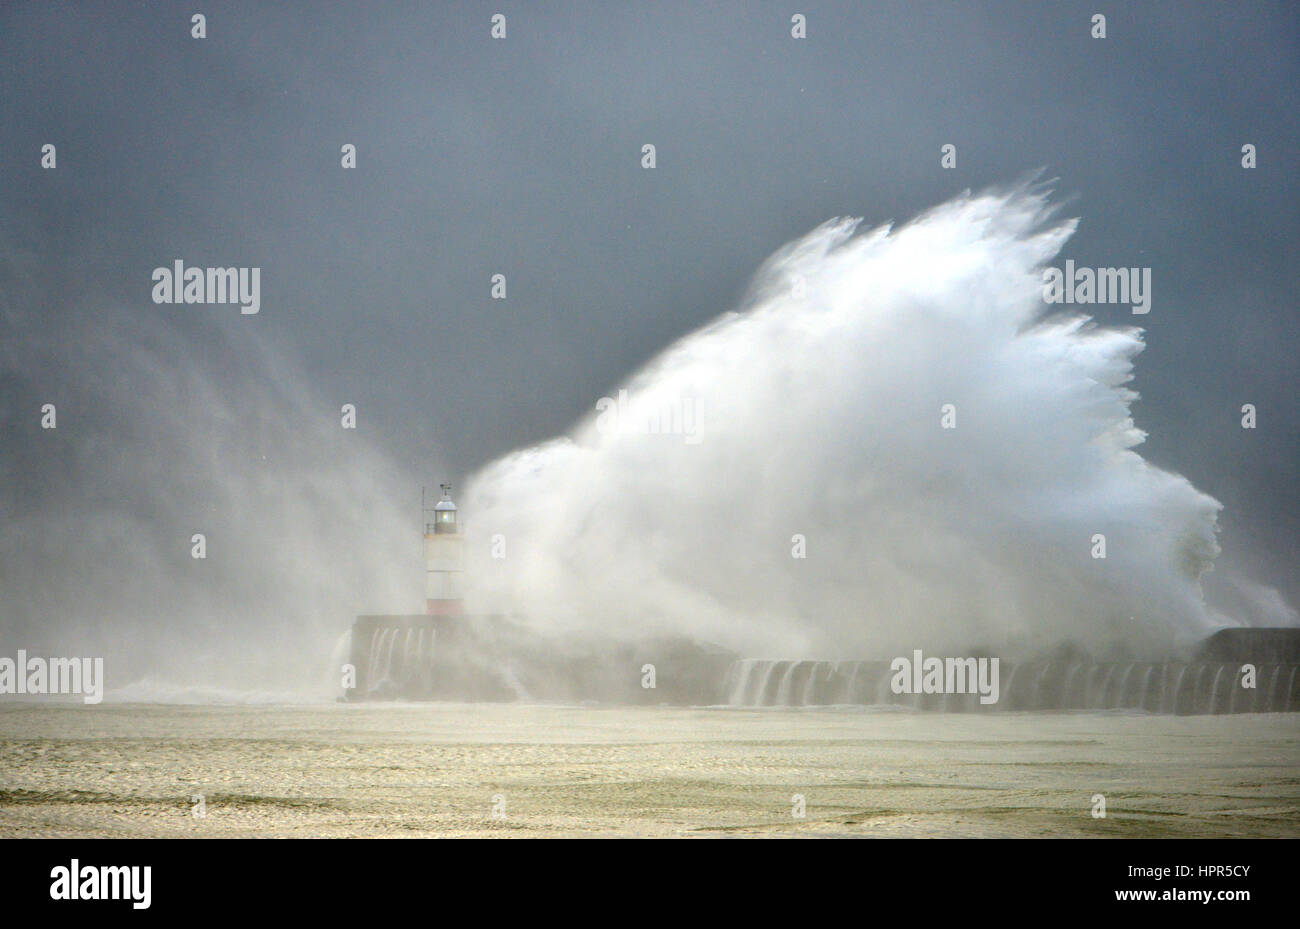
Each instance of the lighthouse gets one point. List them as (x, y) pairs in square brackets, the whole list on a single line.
[(444, 556)]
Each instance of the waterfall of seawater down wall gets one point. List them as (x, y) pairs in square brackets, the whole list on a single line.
[(400, 659), (403, 657), (1154, 687), (895, 443)]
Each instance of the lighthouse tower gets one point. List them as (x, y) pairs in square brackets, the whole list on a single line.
[(444, 556)]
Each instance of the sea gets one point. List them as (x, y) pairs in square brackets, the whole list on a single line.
[(528, 770)]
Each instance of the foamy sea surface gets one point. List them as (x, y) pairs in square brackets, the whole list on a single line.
[(438, 769)]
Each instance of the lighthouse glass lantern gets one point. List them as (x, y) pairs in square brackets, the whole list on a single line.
[(444, 513)]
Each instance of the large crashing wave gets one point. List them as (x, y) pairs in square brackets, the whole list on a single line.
[(817, 411)]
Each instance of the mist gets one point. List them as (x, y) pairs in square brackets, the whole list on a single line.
[(190, 431)]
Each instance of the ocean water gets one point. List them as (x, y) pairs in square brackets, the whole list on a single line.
[(529, 770)]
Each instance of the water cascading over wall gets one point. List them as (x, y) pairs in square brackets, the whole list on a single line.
[(1197, 687), (493, 659), (394, 656), (436, 658)]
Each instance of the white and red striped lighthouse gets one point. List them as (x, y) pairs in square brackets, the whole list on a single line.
[(444, 556)]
